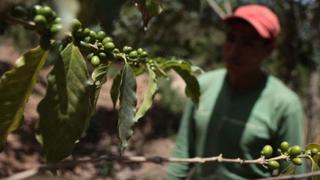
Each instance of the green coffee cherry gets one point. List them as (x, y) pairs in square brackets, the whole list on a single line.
[(55, 28), (273, 164), (144, 54), (127, 49), (297, 161), (93, 34), (267, 151), (133, 54), (106, 40), (45, 11), (314, 151), (86, 31), (101, 35), (36, 8), (116, 51), (57, 20), (102, 55), (284, 146), (295, 150), (76, 24), (95, 60), (109, 45), (40, 20), (140, 50)]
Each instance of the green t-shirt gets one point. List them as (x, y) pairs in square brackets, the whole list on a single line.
[(236, 124)]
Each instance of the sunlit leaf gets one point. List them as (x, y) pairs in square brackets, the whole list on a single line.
[(185, 70), (148, 96), (15, 88), (128, 102), (99, 77), (68, 105)]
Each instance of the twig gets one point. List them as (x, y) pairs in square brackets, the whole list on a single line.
[(214, 5), (13, 20), (138, 159)]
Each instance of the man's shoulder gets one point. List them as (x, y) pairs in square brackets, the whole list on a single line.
[(280, 91), (212, 76)]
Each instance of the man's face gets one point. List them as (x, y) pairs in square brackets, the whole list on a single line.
[(244, 49)]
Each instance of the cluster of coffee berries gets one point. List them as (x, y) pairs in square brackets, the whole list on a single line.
[(47, 23), (292, 152), (96, 44)]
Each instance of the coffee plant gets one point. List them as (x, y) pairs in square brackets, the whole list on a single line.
[(74, 83)]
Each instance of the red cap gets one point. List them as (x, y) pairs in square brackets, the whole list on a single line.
[(260, 17)]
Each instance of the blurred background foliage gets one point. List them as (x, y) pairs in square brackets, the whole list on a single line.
[(192, 30)]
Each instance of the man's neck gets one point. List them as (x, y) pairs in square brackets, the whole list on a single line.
[(246, 81)]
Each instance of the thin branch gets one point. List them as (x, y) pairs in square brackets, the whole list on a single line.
[(215, 6), (12, 20), (138, 159)]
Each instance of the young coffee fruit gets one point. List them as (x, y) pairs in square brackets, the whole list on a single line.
[(297, 161), (95, 60), (76, 24), (267, 151), (295, 150), (101, 35), (273, 164), (45, 11), (133, 54), (284, 146), (106, 40), (40, 20), (127, 49), (55, 28), (109, 45), (314, 151)]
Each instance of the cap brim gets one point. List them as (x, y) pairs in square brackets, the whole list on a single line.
[(257, 26)]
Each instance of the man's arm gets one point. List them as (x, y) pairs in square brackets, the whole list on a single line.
[(184, 145)]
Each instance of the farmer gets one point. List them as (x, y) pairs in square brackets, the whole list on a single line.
[(242, 107)]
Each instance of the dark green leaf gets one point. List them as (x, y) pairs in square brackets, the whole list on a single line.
[(68, 105), (15, 88), (128, 102), (114, 92), (148, 96)]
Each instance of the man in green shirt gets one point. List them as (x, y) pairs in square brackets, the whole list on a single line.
[(241, 107)]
